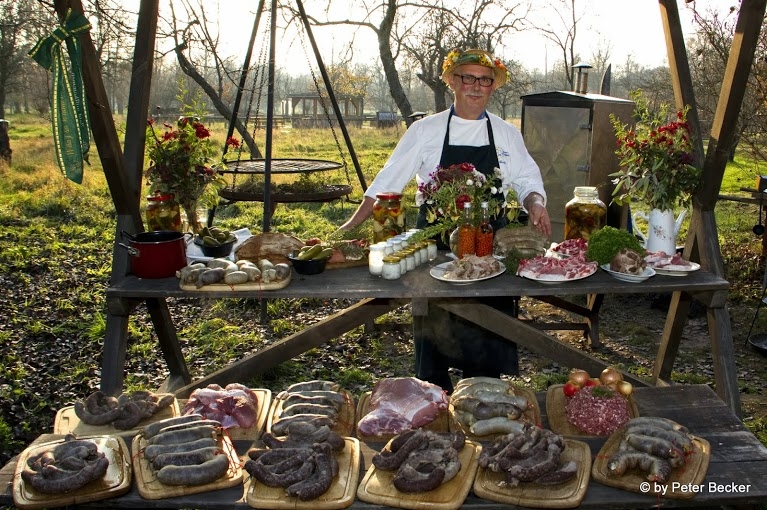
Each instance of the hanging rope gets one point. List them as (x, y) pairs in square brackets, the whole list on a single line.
[(69, 115)]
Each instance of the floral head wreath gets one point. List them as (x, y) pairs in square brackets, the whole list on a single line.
[(457, 57)]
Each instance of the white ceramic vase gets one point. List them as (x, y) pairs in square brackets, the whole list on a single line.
[(662, 229)]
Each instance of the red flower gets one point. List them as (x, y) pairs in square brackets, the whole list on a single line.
[(232, 142)]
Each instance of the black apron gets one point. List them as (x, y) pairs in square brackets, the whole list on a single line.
[(443, 340)]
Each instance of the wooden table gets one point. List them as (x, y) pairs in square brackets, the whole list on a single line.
[(737, 457), (377, 297)]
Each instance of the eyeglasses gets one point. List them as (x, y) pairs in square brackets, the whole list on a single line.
[(468, 79)]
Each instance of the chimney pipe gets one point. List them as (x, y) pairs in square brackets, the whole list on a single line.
[(582, 78)]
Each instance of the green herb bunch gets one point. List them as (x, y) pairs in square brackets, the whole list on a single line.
[(607, 241), (656, 158)]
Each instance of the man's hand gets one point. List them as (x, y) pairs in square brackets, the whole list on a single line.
[(537, 214)]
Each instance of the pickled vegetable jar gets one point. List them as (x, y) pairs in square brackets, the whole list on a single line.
[(162, 212), (584, 214), (388, 216)]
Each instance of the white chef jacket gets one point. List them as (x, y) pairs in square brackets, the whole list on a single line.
[(419, 151)]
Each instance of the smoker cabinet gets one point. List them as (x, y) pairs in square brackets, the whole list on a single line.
[(571, 138)]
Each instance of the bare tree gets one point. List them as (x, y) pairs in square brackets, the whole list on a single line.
[(561, 28), (15, 20)]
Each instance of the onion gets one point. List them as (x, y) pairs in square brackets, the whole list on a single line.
[(625, 388), (610, 375), (579, 377)]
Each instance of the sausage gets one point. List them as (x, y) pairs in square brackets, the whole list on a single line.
[(498, 425), (562, 474), (262, 473), (483, 410), (537, 466), (388, 460), (323, 410), (505, 398), (130, 415), (678, 438), (319, 482), (313, 386), (656, 446), (153, 429), (297, 398), (192, 424), (474, 388), (657, 469), (183, 436), (96, 419), (492, 381), (270, 457), (153, 450), (656, 421), (188, 458), (280, 427), (65, 482), (410, 480), (199, 474)]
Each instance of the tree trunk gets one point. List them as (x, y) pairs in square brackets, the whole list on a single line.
[(387, 60), (5, 142), (224, 110)]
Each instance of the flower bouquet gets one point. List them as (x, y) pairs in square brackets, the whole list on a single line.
[(655, 159), (450, 188), (180, 164)]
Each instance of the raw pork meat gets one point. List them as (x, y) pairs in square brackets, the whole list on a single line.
[(400, 404), (233, 406)]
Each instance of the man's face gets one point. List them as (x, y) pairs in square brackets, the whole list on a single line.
[(471, 99)]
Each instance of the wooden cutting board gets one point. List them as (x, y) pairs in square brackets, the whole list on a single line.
[(440, 423), (116, 480), (378, 487), (346, 415), (249, 433), (692, 473), (218, 287), (487, 484), (532, 415), (347, 264), (150, 488), (67, 422), (555, 410), (339, 495)]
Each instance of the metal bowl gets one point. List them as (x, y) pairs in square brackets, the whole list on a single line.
[(759, 343)]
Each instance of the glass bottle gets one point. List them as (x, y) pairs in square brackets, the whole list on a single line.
[(467, 233), (484, 242), (391, 268), (388, 216), (163, 212), (584, 214)]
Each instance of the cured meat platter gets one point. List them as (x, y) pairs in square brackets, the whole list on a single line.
[(250, 433), (150, 488), (488, 484), (340, 494), (115, 482), (557, 416), (67, 422), (241, 287), (692, 473), (377, 486), (346, 415)]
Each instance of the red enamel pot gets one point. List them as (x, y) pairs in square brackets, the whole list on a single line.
[(156, 254)]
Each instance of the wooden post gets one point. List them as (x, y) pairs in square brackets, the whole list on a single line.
[(5, 141)]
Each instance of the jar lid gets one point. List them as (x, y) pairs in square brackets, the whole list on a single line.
[(389, 195), (391, 259)]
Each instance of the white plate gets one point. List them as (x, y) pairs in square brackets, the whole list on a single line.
[(678, 270), (552, 278), (631, 278), (439, 270)]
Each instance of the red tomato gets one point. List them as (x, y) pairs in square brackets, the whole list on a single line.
[(570, 389), (592, 382)]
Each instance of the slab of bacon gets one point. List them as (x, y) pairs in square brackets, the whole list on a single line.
[(234, 406), (556, 269)]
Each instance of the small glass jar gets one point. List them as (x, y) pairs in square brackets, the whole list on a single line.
[(409, 258), (163, 212), (402, 262), (388, 216), (432, 248), (390, 269), (375, 258), (424, 248), (389, 247), (584, 214)]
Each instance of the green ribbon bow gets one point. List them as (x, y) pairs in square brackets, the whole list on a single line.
[(69, 115)]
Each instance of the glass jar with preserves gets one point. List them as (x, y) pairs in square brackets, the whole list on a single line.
[(584, 214), (163, 212), (391, 268), (388, 216)]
